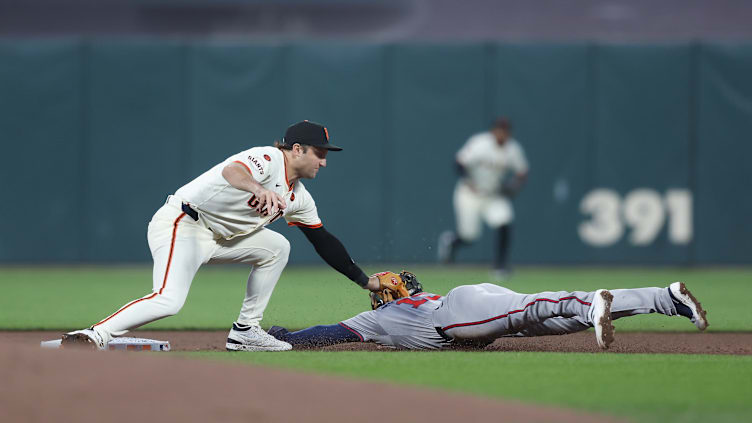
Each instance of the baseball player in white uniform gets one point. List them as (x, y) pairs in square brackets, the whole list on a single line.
[(221, 217), (493, 168), (478, 314)]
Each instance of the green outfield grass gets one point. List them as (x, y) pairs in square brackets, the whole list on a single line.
[(643, 387), (74, 297)]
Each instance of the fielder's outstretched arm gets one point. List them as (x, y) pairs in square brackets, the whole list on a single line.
[(316, 336), (334, 254)]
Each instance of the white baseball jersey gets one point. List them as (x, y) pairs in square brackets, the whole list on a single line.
[(229, 212), (487, 162), (406, 323)]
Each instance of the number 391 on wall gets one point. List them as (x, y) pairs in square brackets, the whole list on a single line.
[(642, 210)]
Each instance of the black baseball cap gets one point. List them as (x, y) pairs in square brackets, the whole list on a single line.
[(309, 133)]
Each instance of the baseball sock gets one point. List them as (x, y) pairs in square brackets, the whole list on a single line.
[(238, 327)]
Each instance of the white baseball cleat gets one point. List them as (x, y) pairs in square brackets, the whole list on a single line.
[(681, 294), (600, 315), (84, 337), (253, 338)]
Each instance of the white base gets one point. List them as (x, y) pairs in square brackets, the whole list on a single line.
[(122, 343)]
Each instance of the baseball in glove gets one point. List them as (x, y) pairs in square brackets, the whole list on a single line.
[(394, 286)]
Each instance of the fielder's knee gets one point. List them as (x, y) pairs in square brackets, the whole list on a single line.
[(280, 249), (284, 251), (170, 306), (277, 252)]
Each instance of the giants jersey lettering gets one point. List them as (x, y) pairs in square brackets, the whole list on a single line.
[(487, 162), (406, 323), (229, 212)]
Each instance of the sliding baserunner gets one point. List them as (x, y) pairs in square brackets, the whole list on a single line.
[(481, 313)]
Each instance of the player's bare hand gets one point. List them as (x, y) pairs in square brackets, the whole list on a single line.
[(373, 284), (269, 202)]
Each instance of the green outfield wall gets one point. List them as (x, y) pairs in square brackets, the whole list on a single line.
[(639, 153)]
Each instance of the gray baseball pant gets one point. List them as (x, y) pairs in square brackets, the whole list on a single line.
[(488, 311)]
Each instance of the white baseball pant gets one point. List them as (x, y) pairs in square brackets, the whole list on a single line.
[(471, 209), (179, 246)]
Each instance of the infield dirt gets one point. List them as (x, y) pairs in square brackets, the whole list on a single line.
[(83, 386), (89, 386), (732, 343)]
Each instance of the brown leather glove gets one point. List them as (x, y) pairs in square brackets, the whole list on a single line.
[(391, 287), (392, 282)]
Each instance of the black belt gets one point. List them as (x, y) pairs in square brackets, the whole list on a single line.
[(190, 212)]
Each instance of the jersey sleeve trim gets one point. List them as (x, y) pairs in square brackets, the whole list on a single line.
[(318, 225), (352, 330), (245, 166)]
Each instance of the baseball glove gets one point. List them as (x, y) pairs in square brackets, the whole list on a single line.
[(394, 286)]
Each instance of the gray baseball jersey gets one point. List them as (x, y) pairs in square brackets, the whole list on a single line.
[(488, 311), (406, 323)]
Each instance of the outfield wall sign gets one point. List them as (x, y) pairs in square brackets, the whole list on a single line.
[(639, 215)]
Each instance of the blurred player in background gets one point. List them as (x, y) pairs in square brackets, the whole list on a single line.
[(493, 169)]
